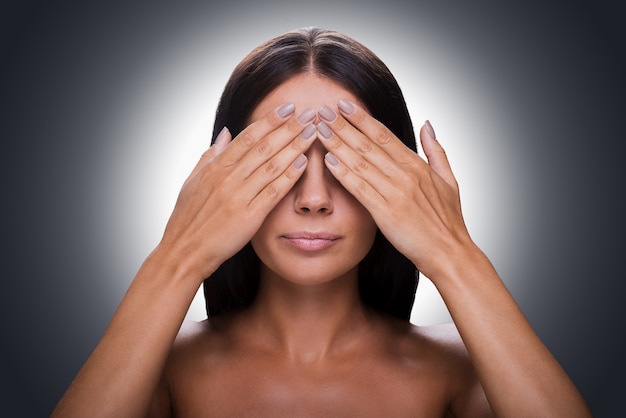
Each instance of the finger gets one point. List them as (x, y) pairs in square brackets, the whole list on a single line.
[(355, 184), (292, 132), (255, 132), (436, 155), (269, 170), (278, 188), (377, 132), (367, 168), (221, 141), (333, 124)]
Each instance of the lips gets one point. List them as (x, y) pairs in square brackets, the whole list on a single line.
[(311, 241)]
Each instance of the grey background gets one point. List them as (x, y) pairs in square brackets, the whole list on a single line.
[(105, 107)]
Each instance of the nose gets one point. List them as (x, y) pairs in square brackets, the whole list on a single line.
[(313, 190)]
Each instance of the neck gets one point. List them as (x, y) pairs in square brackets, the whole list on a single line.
[(308, 322)]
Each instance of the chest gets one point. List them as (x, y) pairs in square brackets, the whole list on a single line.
[(348, 389)]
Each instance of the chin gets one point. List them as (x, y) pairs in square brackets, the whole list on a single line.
[(310, 274)]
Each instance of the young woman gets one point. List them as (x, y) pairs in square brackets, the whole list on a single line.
[(307, 220)]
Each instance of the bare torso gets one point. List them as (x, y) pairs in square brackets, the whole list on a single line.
[(392, 369)]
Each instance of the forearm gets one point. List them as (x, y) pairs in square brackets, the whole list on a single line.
[(120, 376), (518, 373)]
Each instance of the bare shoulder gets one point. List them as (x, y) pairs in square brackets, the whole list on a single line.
[(440, 350), (196, 337), (442, 347), (199, 350), (436, 351), (440, 341), (444, 337), (187, 356)]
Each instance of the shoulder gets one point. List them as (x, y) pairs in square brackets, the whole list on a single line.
[(436, 342), (201, 336), (189, 342), (435, 364), (443, 338), (449, 356), (199, 348), (442, 346), (181, 356), (436, 350)]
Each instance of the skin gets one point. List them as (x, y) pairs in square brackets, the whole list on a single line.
[(308, 346)]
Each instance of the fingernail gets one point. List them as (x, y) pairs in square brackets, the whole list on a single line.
[(300, 161), (286, 110), (306, 116), (327, 113), (345, 106), (430, 129), (221, 137), (308, 132), (324, 130), (332, 160)]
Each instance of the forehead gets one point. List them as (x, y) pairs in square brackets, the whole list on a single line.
[(306, 90)]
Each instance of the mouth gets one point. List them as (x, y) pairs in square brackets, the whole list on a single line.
[(311, 241)]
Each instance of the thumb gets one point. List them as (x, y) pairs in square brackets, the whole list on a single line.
[(221, 141), (436, 155)]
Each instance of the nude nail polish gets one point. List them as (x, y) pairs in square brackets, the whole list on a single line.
[(327, 114), (306, 116), (221, 137), (332, 160), (300, 161), (430, 129), (323, 129), (308, 132), (286, 110), (345, 106)]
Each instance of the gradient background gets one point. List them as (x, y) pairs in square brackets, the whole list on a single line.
[(106, 107)]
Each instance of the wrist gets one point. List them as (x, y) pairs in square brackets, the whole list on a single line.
[(180, 265), (458, 264)]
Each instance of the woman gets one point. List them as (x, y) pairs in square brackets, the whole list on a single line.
[(307, 220)]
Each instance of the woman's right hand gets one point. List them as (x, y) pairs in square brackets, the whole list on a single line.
[(221, 205), (233, 187)]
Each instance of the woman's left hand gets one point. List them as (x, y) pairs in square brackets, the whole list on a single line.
[(414, 202)]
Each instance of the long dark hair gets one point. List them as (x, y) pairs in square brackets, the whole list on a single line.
[(387, 279)]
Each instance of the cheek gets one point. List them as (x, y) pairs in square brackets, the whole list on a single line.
[(362, 222)]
